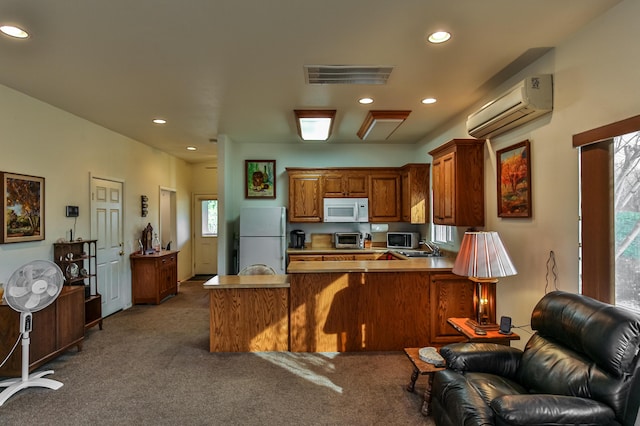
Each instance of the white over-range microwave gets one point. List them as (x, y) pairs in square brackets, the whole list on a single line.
[(346, 210)]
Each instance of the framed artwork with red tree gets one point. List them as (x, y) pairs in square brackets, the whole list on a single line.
[(514, 180)]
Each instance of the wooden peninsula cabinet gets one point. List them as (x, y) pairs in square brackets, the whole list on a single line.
[(56, 328), (458, 183), (154, 276)]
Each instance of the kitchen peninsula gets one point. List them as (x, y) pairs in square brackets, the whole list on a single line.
[(375, 305), (342, 305)]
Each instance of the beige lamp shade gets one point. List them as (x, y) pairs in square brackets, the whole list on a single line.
[(482, 255)]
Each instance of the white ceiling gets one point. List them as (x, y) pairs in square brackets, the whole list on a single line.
[(236, 67)]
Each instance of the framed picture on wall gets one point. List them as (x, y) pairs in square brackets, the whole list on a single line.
[(22, 208), (260, 178), (514, 180)]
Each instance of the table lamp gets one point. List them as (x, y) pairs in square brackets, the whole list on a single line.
[(483, 259)]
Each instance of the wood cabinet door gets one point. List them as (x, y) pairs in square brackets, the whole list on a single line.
[(384, 197), (70, 316), (345, 183), (332, 185), (444, 189), (305, 198), (458, 188), (392, 311), (356, 184), (450, 296), (415, 193)]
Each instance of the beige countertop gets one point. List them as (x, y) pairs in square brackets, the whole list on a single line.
[(426, 264), (338, 251), (222, 282)]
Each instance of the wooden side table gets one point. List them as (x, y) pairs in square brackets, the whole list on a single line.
[(421, 368), (461, 326)]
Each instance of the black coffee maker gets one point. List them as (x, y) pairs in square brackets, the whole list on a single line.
[(297, 238)]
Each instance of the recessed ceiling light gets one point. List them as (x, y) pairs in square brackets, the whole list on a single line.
[(191, 148), (13, 31), (365, 101), (159, 121), (427, 101), (439, 37)]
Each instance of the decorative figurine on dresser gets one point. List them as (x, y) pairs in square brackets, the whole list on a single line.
[(154, 272)]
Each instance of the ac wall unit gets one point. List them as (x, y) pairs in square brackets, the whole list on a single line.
[(529, 99)]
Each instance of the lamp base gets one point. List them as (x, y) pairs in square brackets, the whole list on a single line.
[(488, 327)]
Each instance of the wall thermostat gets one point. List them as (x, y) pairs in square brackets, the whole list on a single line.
[(72, 211)]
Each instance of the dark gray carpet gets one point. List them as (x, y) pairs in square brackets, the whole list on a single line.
[(151, 366)]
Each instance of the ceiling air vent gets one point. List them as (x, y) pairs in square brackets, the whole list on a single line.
[(347, 74)]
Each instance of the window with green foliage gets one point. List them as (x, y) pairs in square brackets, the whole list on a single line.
[(209, 218), (610, 212), (626, 202)]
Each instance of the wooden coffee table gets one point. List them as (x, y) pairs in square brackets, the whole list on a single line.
[(421, 368)]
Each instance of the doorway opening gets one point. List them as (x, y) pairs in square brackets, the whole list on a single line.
[(168, 227), (205, 208)]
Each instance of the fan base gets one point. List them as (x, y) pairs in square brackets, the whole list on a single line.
[(34, 380)]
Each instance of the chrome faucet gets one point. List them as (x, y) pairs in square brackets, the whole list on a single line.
[(433, 247)]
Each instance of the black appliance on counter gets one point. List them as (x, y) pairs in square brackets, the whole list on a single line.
[(297, 238)]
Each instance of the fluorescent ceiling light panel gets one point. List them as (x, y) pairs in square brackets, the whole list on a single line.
[(379, 125), (314, 125)]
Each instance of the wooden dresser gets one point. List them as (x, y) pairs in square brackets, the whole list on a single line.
[(154, 276), (56, 328)]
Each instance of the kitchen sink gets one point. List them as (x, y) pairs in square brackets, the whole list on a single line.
[(418, 253)]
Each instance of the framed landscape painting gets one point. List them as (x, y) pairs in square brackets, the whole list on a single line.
[(514, 180), (22, 207), (260, 178)]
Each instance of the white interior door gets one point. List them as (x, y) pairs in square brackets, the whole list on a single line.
[(205, 235), (106, 227)]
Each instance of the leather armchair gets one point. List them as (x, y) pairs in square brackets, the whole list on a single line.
[(580, 367)]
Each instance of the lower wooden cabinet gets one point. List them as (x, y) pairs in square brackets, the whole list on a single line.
[(345, 312), (154, 276), (56, 328), (381, 311), (451, 296)]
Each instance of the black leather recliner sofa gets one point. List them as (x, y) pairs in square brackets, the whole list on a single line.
[(580, 367)]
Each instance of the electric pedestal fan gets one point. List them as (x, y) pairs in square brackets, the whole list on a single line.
[(32, 287)]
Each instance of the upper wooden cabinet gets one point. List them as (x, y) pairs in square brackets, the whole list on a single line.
[(458, 183), (345, 183), (384, 196), (305, 196), (415, 193), (395, 194)]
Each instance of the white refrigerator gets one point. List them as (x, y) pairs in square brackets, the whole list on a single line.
[(263, 237)]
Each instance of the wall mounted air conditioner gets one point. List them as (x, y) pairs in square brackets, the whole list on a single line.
[(529, 99)]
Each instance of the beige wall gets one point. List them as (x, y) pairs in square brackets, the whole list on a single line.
[(38, 139), (595, 84)]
